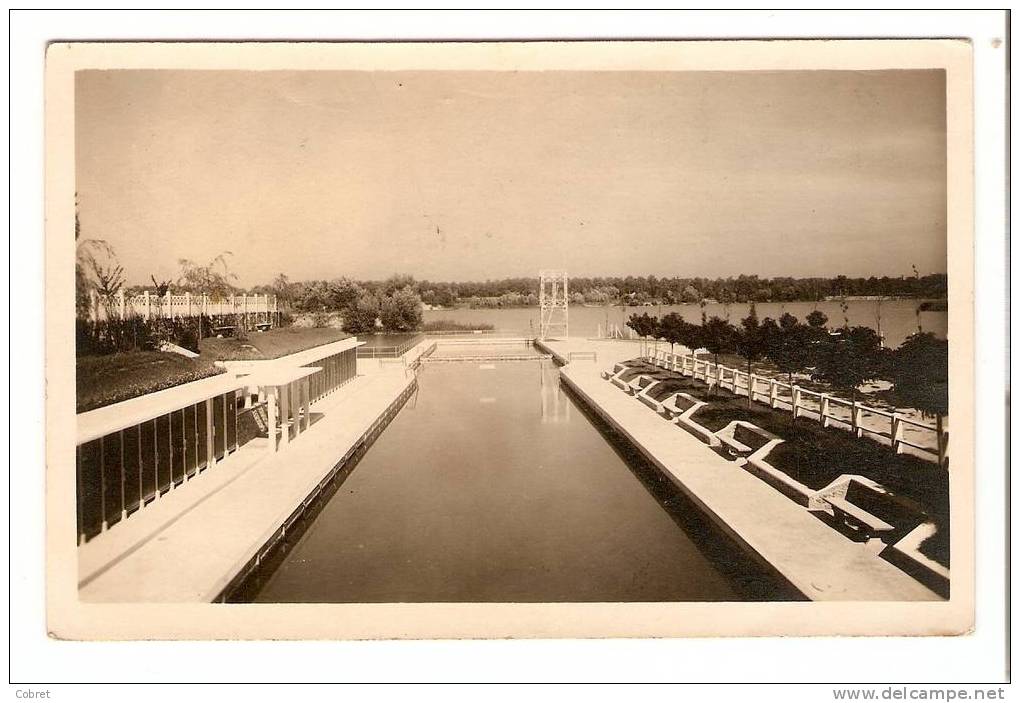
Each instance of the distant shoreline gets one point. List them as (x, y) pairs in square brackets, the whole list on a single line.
[(926, 304)]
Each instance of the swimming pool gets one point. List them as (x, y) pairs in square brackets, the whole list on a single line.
[(493, 485)]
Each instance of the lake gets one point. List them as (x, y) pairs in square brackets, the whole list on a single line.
[(898, 317)]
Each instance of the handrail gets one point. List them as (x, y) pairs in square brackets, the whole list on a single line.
[(134, 411), (740, 382)]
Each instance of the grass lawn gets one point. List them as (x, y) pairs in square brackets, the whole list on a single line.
[(112, 378), (268, 345), (816, 455)]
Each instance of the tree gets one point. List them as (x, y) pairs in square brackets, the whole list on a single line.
[(817, 319), (342, 293), (88, 260), (401, 311), (361, 316), (281, 288), (673, 329), (849, 358), (213, 278), (920, 376), (644, 325), (752, 343), (790, 344), (718, 337), (396, 282)]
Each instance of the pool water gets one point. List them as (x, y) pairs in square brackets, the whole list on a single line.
[(492, 485)]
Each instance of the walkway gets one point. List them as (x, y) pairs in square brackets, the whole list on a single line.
[(190, 544), (818, 561)]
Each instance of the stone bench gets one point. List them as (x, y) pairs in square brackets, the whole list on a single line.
[(867, 509), (741, 439), (263, 326), (638, 384), (906, 555), (648, 400), (617, 379), (679, 403), (687, 405), (757, 464)]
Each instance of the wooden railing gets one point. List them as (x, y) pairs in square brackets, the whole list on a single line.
[(885, 425)]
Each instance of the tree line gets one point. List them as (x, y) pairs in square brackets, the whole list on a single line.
[(632, 290), (844, 357)]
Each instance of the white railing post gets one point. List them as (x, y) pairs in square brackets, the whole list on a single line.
[(855, 420), (897, 430), (796, 401), (772, 393), (824, 411), (752, 381)]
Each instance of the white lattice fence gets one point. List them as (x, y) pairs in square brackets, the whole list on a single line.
[(177, 305)]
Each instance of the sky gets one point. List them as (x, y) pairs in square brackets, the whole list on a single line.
[(451, 175)]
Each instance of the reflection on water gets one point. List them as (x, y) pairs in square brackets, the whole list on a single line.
[(555, 406), (492, 485)]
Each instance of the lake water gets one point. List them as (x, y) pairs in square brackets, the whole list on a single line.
[(898, 317), (491, 485)]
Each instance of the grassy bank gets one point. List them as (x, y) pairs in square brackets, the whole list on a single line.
[(816, 455), (454, 326), (269, 345), (112, 378)]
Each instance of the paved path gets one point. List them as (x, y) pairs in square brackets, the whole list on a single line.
[(191, 544), (818, 561)]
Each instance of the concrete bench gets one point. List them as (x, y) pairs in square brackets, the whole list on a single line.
[(757, 464), (858, 518), (263, 326), (617, 379), (867, 509), (223, 329), (679, 403), (648, 400), (685, 420), (741, 439), (638, 384), (906, 555)]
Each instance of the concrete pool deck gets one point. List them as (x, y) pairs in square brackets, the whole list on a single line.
[(817, 561), (191, 544)]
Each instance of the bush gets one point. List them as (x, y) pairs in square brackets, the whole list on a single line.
[(401, 311), (361, 316), (97, 338)]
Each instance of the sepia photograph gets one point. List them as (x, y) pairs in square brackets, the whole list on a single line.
[(510, 340)]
